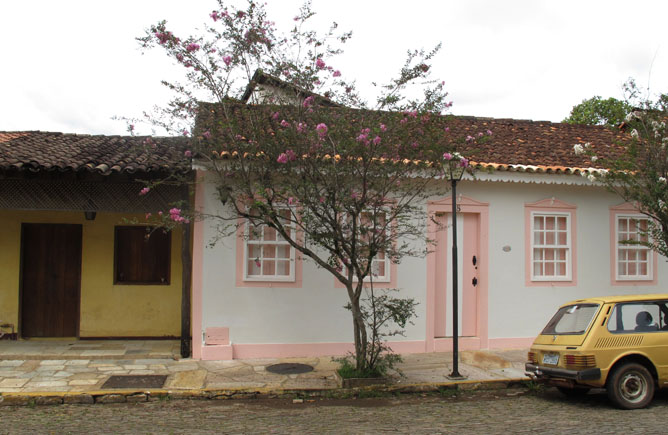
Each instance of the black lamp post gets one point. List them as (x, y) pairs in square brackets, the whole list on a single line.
[(454, 170)]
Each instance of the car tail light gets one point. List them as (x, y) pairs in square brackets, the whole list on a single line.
[(531, 357), (579, 361)]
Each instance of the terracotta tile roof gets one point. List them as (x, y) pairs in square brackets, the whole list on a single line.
[(38, 151), (515, 145), (538, 146)]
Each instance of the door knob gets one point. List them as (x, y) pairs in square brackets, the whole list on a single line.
[(474, 281)]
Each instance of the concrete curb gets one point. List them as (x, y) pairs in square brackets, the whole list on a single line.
[(135, 396)]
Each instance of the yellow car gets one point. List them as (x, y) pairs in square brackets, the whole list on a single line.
[(619, 343)]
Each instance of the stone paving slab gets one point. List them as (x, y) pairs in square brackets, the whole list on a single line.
[(84, 377)]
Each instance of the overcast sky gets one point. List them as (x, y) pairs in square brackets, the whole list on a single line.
[(71, 65)]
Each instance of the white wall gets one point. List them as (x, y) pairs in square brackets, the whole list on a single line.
[(315, 313)]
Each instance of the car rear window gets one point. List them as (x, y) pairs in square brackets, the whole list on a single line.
[(571, 320)]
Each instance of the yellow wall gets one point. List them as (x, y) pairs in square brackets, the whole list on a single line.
[(107, 310)]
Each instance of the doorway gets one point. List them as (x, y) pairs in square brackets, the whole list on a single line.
[(50, 280)]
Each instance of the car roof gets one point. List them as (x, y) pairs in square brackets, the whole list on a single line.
[(620, 298)]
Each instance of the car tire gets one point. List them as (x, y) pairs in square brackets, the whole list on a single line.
[(631, 386), (573, 392)]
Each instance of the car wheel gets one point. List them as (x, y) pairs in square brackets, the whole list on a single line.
[(573, 392), (631, 386)]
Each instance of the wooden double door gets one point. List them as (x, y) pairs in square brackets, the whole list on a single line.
[(50, 280)]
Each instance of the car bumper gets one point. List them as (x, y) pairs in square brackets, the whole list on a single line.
[(551, 372)]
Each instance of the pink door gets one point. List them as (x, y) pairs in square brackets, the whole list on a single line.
[(468, 252)]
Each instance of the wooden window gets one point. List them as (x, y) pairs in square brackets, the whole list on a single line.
[(142, 255), (633, 261), (268, 256), (550, 246)]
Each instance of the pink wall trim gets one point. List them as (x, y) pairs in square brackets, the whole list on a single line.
[(466, 205), (198, 269), (625, 209), (297, 283), (549, 205), (510, 343), (217, 352), (280, 350), (465, 343)]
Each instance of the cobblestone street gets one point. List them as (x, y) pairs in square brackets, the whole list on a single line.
[(488, 412)]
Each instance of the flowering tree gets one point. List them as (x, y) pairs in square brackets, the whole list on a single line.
[(639, 175), (342, 183)]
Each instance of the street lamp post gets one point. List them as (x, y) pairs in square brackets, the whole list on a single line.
[(454, 170)]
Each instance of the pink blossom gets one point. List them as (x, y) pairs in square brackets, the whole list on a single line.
[(320, 64), (403, 121), (160, 213), (414, 144), (481, 134), (131, 127), (285, 124), (322, 199), (376, 140), (464, 162), (192, 47), (188, 153), (362, 137), (447, 129), (274, 116), (163, 37), (308, 101), (282, 158), (144, 191), (257, 263), (301, 127), (291, 155), (206, 134), (383, 127), (175, 210), (148, 216), (317, 82), (412, 114), (337, 73), (291, 201), (179, 57), (321, 129), (185, 132), (214, 16), (447, 156), (227, 60), (296, 18), (470, 138), (489, 132), (354, 195)]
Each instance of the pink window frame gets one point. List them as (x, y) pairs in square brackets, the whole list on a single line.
[(240, 257), (549, 206), (627, 209)]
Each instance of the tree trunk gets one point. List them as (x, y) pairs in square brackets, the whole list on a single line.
[(359, 329)]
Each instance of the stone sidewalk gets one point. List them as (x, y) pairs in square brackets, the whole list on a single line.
[(81, 377)]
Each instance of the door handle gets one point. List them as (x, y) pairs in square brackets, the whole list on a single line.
[(475, 260), (474, 281)]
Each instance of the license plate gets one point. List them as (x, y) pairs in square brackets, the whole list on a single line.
[(551, 358)]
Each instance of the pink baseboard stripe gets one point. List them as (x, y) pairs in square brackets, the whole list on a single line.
[(287, 350), (510, 343)]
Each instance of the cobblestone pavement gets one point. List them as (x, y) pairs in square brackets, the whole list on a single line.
[(489, 412)]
